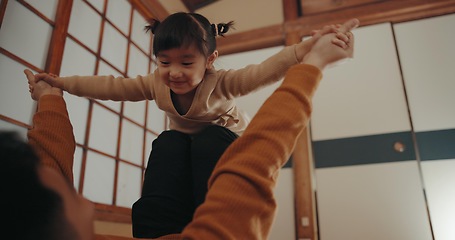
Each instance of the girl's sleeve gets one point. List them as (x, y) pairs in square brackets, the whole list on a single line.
[(110, 87), (240, 203), (235, 83)]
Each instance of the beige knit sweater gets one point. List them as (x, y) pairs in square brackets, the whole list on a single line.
[(213, 102)]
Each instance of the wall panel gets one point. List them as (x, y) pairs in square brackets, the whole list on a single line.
[(366, 187), (426, 51)]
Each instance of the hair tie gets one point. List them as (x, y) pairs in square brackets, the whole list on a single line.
[(221, 28)]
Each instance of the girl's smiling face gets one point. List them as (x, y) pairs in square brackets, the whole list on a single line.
[(182, 69)]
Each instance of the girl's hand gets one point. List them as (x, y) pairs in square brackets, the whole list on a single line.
[(51, 79), (41, 88)]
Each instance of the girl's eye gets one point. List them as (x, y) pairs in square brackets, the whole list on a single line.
[(164, 63), (187, 63)]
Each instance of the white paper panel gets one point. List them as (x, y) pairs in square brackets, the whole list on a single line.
[(156, 118), (253, 101), (77, 166), (85, 24), (77, 60), (129, 185), (427, 55), (6, 126), (98, 4), (99, 178), (78, 112), (48, 7), (439, 179), (283, 227), (374, 202), (138, 35), (114, 47), (20, 28), (135, 111), (104, 69), (138, 62), (363, 96), (119, 12), (104, 130), (138, 65), (15, 100), (149, 138), (131, 142)]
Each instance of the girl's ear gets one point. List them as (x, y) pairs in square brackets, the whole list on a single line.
[(211, 59)]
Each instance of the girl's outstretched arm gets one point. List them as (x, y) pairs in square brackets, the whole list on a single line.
[(51, 79)]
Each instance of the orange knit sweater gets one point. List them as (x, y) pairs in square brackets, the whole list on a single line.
[(52, 135), (240, 202)]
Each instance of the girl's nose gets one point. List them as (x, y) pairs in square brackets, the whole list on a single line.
[(175, 73)]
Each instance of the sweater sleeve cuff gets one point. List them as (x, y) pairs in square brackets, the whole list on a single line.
[(52, 103), (308, 76)]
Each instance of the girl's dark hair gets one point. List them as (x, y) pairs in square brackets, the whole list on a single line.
[(183, 29)]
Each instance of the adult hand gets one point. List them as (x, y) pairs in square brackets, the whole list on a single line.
[(332, 47), (39, 89)]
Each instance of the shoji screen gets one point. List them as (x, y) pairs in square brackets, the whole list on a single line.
[(367, 175), (427, 54), (114, 137), (104, 37), (284, 224), (25, 33)]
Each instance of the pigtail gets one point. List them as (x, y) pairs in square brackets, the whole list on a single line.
[(221, 28), (154, 23)]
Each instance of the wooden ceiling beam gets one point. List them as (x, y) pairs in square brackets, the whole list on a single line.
[(150, 9), (290, 10), (384, 11), (251, 40)]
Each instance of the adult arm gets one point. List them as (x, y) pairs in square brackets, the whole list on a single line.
[(240, 202), (52, 135)]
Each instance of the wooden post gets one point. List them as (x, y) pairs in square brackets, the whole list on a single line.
[(59, 34), (305, 210)]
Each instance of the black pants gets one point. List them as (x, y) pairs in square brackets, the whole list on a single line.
[(175, 181)]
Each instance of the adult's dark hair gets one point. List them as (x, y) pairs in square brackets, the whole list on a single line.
[(183, 29), (30, 210)]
